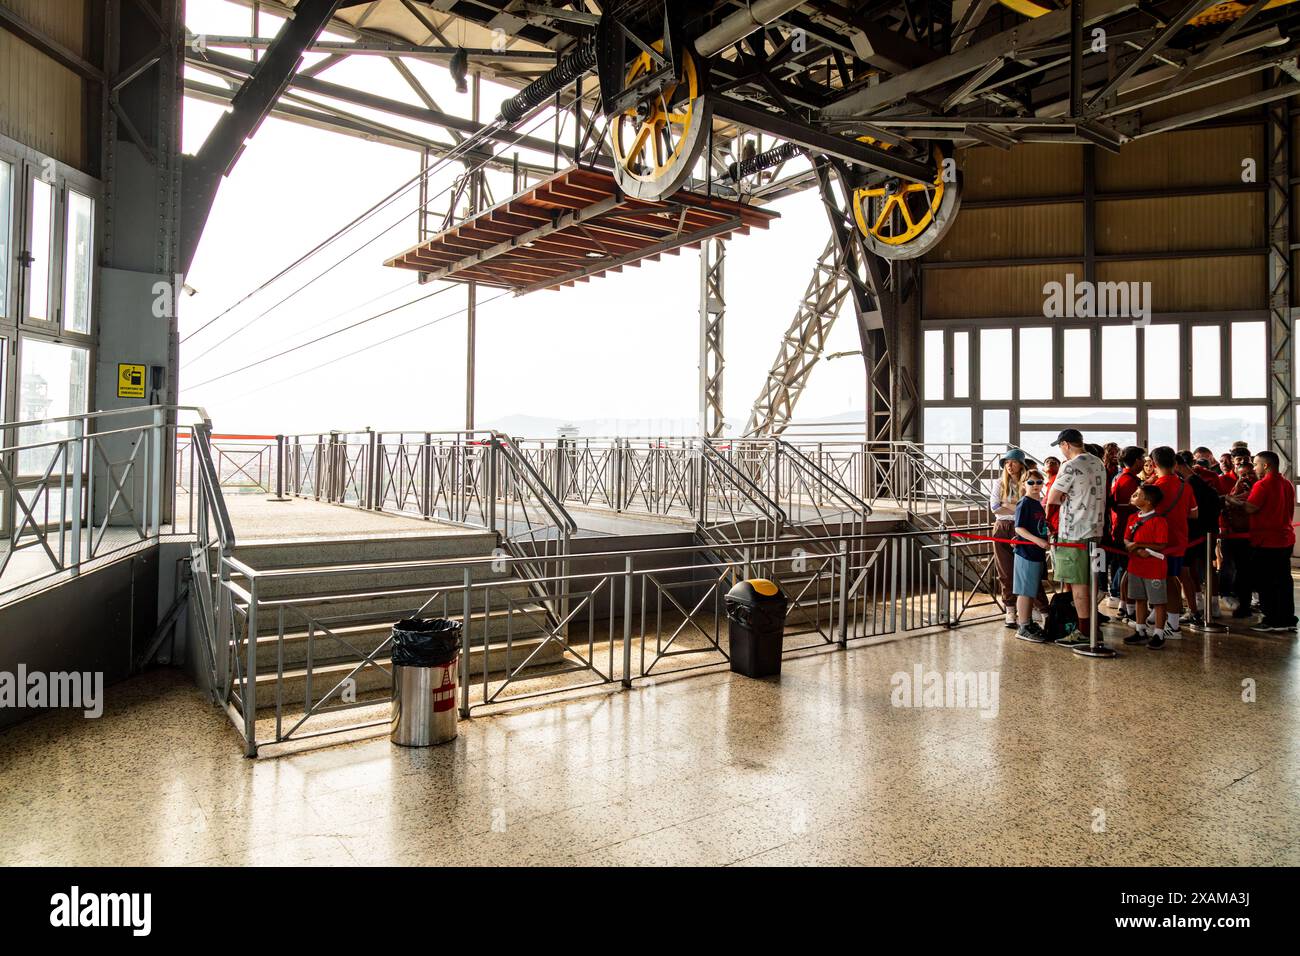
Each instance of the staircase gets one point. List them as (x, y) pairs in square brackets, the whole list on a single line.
[(315, 630)]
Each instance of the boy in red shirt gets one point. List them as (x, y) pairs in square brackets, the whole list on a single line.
[(1144, 538), (1126, 484), (1177, 506)]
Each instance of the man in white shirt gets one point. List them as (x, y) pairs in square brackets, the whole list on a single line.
[(1080, 491)]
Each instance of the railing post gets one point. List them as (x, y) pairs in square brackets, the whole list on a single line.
[(156, 478), (1096, 647), (561, 451), (374, 478), (627, 621), (467, 596), (843, 602), (249, 696), (620, 499), (1209, 625), (75, 455), (492, 462), (946, 583), (279, 466)]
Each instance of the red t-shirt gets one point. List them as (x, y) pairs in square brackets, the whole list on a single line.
[(1121, 492), (1053, 511), (1270, 526), (1153, 531), (1175, 512)]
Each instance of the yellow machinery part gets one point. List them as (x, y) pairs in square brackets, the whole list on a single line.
[(914, 221), (1219, 13), (661, 163)]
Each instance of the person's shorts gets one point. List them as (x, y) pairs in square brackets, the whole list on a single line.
[(1026, 577), (1151, 590), (1175, 565), (1071, 564)]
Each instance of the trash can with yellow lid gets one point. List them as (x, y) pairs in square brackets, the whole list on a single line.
[(755, 627)]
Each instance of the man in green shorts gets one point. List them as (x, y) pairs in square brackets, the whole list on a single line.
[(1080, 491)]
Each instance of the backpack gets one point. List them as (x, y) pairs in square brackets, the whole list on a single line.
[(1208, 506), (1062, 618)]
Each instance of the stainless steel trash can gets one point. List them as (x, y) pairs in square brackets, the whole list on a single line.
[(424, 704), (426, 658)]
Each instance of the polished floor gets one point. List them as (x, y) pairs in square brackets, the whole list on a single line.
[(1154, 758)]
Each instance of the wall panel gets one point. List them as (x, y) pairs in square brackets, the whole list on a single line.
[(1181, 223), (41, 101), (990, 292), (1005, 232)]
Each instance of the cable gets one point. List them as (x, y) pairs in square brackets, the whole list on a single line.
[(372, 345), (372, 211), (327, 335)]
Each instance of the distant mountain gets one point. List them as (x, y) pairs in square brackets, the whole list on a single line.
[(539, 426)]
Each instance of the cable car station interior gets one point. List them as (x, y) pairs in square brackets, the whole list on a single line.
[(1059, 236)]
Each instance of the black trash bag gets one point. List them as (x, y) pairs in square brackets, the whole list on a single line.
[(420, 642)]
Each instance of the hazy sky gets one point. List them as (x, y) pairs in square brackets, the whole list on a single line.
[(624, 347)]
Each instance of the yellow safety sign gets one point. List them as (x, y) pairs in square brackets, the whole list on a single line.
[(130, 381)]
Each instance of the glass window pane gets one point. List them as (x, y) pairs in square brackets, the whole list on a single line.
[(1205, 360), (42, 248), (53, 382), (1036, 367), (935, 367), (997, 426), (1118, 361), (995, 364), (1162, 427), (1077, 361), (945, 426), (1249, 361), (6, 222), (1078, 415), (1038, 444), (1218, 426), (1161, 361), (961, 365), (78, 262)]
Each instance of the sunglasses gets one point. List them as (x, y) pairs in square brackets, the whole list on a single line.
[(1033, 482)]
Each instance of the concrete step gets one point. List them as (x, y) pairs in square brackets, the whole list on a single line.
[(307, 552), (292, 689), (359, 578), (523, 624)]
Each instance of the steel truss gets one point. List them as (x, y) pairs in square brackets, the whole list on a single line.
[(1282, 373), (713, 311)]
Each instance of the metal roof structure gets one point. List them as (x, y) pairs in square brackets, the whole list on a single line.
[(571, 227)]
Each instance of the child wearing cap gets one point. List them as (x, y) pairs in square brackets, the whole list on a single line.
[(1031, 554), (1145, 538)]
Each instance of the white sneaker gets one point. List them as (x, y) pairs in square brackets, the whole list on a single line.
[(1231, 603), (1173, 632), (1151, 619), (1011, 619)]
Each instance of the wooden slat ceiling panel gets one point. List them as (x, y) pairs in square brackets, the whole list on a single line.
[(562, 250)]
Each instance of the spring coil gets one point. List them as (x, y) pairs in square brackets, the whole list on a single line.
[(765, 160), (543, 88)]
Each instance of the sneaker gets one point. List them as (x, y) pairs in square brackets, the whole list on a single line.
[(1113, 602), (1172, 632), (1072, 640), (1032, 632), (1011, 620), (1195, 620), (1039, 618), (1103, 618), (1136, 639), (1231, 603), (1155, 643)]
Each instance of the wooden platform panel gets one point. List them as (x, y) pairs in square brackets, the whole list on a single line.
[(572, 227)]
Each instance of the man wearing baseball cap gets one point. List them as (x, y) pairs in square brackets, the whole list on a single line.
[(1080, 491)]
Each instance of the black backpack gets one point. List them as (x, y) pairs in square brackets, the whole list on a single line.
[(1062, 618)]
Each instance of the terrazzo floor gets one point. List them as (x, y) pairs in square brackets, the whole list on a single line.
[(1154, 758)]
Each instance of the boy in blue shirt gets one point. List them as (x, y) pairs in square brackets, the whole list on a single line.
[(1030, 558)]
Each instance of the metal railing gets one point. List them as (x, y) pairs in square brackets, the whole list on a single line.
[(81, 488), (651, 615)]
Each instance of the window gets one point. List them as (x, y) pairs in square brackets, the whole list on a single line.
[(1077, 363), (1205, 356), (935, 367), (995, 364), (42, 250), (1249, 360), (947, 426), (1118, 361), (1218, 426), (1037, 370), (52, 382), (6, 225), (78, 261), (1076, 415), (1162, 425), (961, 365), (1038, 444), (1161, 363), (997, 426)]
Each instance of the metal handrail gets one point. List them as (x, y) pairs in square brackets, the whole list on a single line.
[(771, 510), (855, 503), (555, 509), (211, 485)]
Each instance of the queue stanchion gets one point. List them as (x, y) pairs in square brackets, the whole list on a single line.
[(1096, 647), (1209, 625)]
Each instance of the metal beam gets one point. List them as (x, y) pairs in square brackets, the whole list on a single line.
[(1220, 109), (713, 312), (384, 48), (269, 77), (1009, 43), (1281, 431), (52, 48), (1154, 46)]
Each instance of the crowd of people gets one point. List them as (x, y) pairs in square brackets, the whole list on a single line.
[(1163, 520)]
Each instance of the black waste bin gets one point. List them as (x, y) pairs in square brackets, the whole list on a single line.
[(755, 625), (426, 655)]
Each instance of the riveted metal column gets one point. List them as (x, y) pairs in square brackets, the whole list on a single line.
[(713, 310), (1281, 436)]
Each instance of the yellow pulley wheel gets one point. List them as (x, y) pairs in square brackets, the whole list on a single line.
[(656, 143), (901, 219)]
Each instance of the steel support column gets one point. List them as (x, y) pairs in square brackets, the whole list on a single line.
[(713, 311), (1281, 436)]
